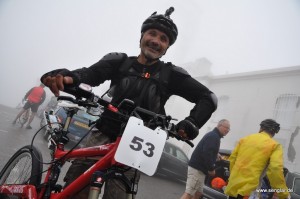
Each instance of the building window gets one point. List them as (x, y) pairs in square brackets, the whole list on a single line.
[(221, 111), (285, 109)]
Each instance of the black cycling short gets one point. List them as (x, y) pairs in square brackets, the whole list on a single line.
[(34, 106)]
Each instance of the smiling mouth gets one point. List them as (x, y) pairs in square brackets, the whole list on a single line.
[(153, 49)]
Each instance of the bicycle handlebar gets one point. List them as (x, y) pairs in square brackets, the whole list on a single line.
[(80, 102), (92, 100)]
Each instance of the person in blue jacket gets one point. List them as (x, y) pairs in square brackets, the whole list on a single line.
[(203, 160)]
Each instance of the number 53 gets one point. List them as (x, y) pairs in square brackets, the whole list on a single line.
[(137, 145)]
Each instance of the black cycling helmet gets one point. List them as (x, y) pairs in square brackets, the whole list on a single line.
[(163, 23), (270, 126)]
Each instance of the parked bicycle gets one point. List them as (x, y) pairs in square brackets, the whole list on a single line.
[(24, 117), (139, 148), (50, 122)]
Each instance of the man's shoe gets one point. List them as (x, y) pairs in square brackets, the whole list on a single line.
[(28, 127), (14, 122)]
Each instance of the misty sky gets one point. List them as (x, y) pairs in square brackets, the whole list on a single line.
[(37, 36)]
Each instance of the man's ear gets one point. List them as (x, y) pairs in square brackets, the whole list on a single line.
[(141, 38)]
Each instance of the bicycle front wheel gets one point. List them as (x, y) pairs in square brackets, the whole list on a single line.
[(24, 167), (24, 117)]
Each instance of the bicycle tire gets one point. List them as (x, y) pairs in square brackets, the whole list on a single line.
[(24, 167), (24, 117)]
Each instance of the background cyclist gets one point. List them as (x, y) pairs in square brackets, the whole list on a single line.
[(144, 79), (254, 157), (35, 97)]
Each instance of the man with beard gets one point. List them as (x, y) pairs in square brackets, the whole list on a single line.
[(145, 80)]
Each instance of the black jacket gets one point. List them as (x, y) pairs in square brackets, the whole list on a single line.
[(148, 92), (205, 154)]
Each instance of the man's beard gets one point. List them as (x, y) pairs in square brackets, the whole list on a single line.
[(148, 55)]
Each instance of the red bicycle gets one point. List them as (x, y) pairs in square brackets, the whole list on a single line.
[(22, 174)]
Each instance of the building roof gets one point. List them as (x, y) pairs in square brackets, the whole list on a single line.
[(284, 71)]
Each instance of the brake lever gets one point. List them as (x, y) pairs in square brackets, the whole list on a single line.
[(66, 98), (82, 90), (85, 103), (178, 137), (189, 143)]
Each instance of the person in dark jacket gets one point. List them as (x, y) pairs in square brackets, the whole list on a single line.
[(203, 160), (145, 80)]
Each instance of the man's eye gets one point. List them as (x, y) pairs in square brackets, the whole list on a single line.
[(164, 39)]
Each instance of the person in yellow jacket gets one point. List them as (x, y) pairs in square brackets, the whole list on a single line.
[(254, 157)]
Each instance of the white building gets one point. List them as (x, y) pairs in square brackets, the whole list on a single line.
[(245, 99)]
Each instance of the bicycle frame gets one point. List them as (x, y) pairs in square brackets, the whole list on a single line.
[(107, 151)]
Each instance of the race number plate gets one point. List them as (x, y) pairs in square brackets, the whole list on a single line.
[(141, 147)]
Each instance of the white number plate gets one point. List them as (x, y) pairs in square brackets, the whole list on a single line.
[(141, 147)]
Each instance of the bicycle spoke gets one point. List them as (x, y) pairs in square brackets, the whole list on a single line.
[(20, 172)]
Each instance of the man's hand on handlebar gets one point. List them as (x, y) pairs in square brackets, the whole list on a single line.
[(57, 79), (183, 134), (57, 83), (187, 130)]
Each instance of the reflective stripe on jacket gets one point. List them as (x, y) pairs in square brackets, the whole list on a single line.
[(249, 159)]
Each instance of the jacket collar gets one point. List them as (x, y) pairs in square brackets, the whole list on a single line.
[(218, 132)]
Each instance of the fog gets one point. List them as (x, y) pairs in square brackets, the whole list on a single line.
[(235, 36)]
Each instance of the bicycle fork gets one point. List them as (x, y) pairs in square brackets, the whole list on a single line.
[(98, 179), (97, 182)]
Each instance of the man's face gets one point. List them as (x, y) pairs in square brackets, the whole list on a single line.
[(224, 128), (154, 44)]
